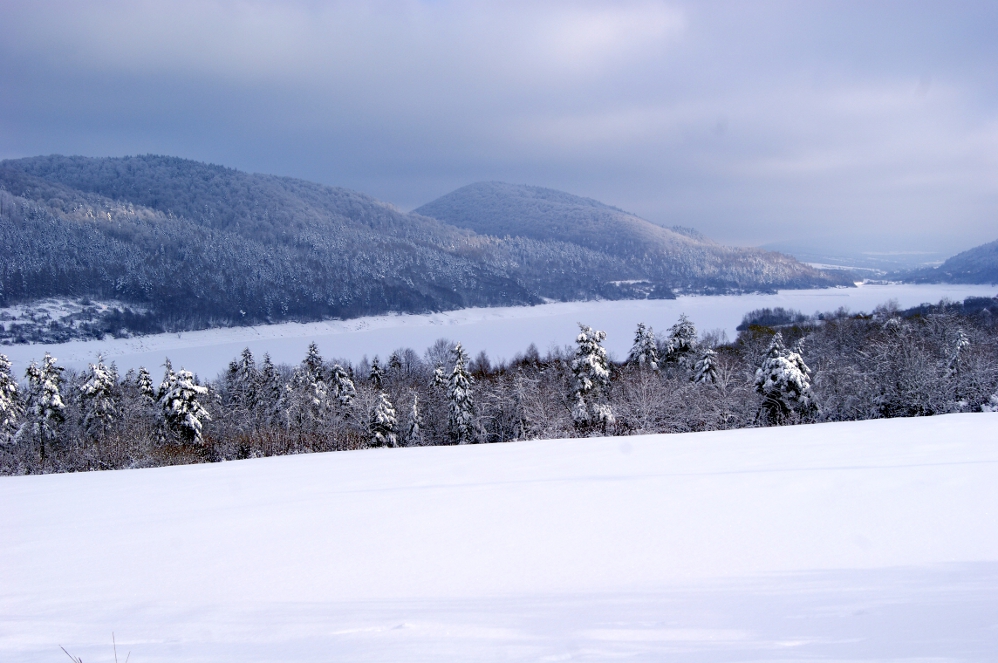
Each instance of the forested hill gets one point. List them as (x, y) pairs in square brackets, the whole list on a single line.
[(977, 265), (680, 256), (198, 245)]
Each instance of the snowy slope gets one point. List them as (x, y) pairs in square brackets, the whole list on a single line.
[(502, 332), (865, 541)]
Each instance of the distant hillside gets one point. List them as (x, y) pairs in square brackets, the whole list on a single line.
[(682, 258), (192, 245), (978, 265)]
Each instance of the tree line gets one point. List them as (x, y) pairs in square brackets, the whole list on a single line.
[(830, 367)]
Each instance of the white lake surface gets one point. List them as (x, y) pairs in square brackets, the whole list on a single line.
[(501, 332)]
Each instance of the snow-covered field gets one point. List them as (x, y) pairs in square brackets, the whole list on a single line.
[(863, 541), (502, 332)]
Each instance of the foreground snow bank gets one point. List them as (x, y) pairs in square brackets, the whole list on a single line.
[(760, 543)]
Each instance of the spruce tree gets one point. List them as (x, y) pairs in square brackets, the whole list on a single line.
[(143, 384), (383, 424), (343, 386), (99, 399), (46, 409), (460, 402), (783, 380), (10, 402), (644, 352), (681, 344), (377, 374), (414, 427), (183, 411), (591, 380), (705, 370)]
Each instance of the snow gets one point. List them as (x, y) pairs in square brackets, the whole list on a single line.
[(502, 332), (857, 541)]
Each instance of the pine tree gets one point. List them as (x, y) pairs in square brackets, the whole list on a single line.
[(183, 412), (383, 424), (99, 401), (644, 353), (681, 344), (591, 380), (705, 371), (169, 378), (10, 402), (953, 366), (439, 379), (783, 380), (414, 427), (377, 375), (46, 409), (306, 397), (343, 386), (143, 384), (395, 362), (460, 402), (269, 390), (241, 382)]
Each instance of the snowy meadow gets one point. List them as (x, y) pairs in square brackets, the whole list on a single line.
[(855, 541)]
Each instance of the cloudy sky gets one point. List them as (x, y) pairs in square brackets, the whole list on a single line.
[(869, 124)]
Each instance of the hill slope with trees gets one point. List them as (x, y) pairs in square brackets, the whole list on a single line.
[(193, 245), (976, 265)]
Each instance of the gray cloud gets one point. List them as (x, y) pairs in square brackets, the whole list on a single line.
[(753, 122)]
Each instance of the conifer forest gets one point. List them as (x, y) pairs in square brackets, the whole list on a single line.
[(784, 368)]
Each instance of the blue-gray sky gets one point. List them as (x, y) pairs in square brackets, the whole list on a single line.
[(866, 123)]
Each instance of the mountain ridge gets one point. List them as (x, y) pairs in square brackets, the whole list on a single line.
[(199, 245)]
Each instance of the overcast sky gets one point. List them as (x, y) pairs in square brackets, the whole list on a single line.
[(864, 123)]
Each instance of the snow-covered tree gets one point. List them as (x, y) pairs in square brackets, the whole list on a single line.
[(783, 380), (591, 380), (705, 370), (143, 384), (681, 343), (414, 426), (183, 411), (269, 391), (99, 402), (439, 379), (242, 381), (377, 374), (10, 402), (954, 365), (460, 402), (306, 397), (395, 362), (644, 352), (169, 378), (991, 405), (343, 386), (383, 424), (45, 410)]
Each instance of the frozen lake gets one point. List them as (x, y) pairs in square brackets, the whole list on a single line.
[(501, 332)]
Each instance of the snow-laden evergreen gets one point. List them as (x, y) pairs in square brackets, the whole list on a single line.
[(705, 370), (45, 410), (183, 412), (644, 352), (681, 343), (414, 425), (383, 423), (591, 380), (10, 403), (242, 381), (439, 379), (269, 391), (305, 399), (343, 386), (783, 380), (377, 374), (460, 401), (99, 398), (144, 386)]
